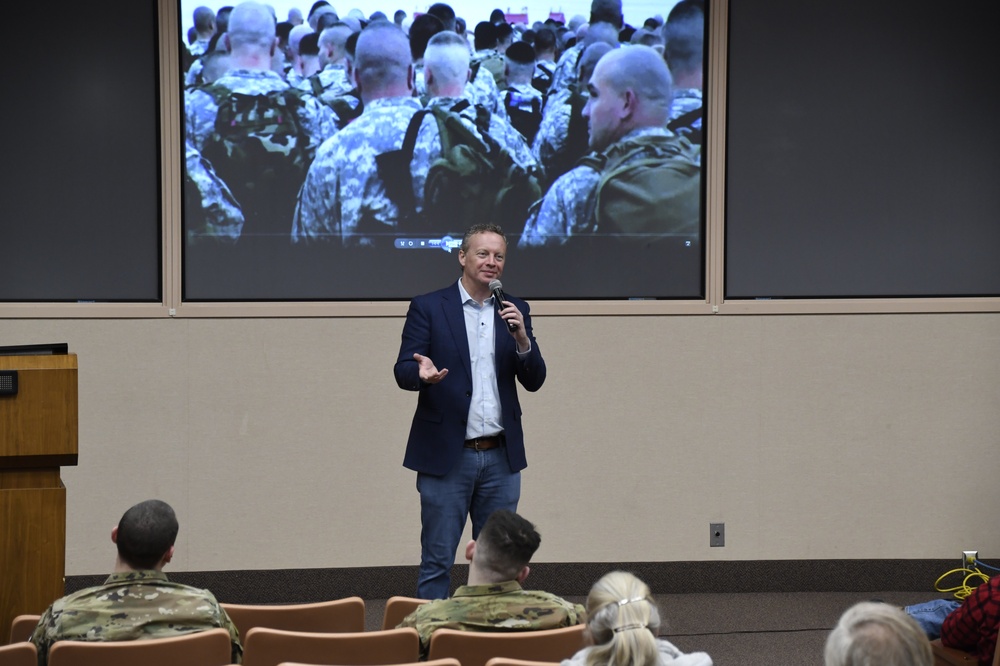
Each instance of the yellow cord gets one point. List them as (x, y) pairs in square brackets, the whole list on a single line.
[(963, 590)]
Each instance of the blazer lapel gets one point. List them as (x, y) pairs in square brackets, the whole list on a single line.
[(455, 316)]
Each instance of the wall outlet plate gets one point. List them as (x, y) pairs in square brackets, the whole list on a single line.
[(969, 558), (717, 535)]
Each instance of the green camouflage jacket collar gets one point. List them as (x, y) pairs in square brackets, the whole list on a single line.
[(484, 590), (144, 575)]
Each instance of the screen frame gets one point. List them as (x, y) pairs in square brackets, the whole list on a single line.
[(714, 176)]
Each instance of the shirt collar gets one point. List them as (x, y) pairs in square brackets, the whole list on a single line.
[(143, 575), (488, 589), (466, 298)]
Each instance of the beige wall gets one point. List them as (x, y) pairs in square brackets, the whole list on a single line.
[(279, 441)]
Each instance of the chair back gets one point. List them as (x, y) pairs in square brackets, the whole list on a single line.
[(339, 615), (202, 648), (270, 647), (475, 648), (22, 627), (436, 662), (397, 608), (507, 661), (19, 654)]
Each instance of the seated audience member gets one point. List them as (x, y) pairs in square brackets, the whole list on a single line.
[(969, 625), (623, 622), (494, 600), (137, 601), (871, 633)]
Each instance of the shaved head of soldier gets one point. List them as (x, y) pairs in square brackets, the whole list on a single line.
[(251, 34), (503, 550), (608, 11), (684, 34), (446, 65), (204, 21), (145, 535), (333, 43), (382, 64), (630, 89), (588, 61), (444, 13), (601, 32)]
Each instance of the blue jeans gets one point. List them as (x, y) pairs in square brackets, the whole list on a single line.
[(930, 615), (479, 484)]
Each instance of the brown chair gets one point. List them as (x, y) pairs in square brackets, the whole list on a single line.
[(19, 654), (436, 662), (270, 647), (22, 627), (475, 648), (340, 615), (396, 608), (507, 661), (946, 656), (202, 648)]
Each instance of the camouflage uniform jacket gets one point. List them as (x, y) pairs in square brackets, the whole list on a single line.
[(220, 216), (333, 80), (498, 607), (343, 189), (318, 120), (500, 130), (685, 101), (567, 208), (132, 605), (565, 73), (198, 47)]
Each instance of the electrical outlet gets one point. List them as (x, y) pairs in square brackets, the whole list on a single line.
[(969, 558), (717, 535)]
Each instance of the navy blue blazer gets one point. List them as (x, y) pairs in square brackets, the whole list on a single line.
[(435, 328)]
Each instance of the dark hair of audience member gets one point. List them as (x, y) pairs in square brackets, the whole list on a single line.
[(309, 45), (351, 44), (445, 14), (507, 541), (528, 37), (545, 40), (281, 30), (145, 534), (625, 34), (497, 16), (485, 36), (316, 5), (504, 31), (460, 25), (422, 29), (222, 19)]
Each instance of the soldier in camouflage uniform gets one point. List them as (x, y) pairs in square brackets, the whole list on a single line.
[(630, 96), (137, 602), (332, 81), (562, 136), (493, 600), (447, 65), (218, 214), (684, 33), (601, 11), (343, 198)]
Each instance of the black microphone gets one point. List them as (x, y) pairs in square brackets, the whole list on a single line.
[(498, 298)]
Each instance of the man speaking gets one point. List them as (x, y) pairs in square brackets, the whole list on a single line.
[(462, 347)]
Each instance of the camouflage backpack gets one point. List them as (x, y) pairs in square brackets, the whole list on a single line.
[(259, 149), (475, 179), (494, 63), (577, 140), (650, 187), (348, 106)]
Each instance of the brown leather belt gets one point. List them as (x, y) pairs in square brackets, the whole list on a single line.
[(483, 443)]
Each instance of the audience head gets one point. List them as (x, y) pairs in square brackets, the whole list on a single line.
[(222, 19), (295, 16), (444, 13), (497, 16), (876, 634), (295, 36), (545, 42), (204, 21), (485, 36), (519, 63), (684, 37), (588, 61), (423, 28), (601, 32), (145, 535), (460, 25), (382, 62), (630, 89), (251, 34), (320, 15), (609, 11), (399, 17), (576, 22), (446, 65), (623, 622), (332, 43), (507, 541), (505, 37)]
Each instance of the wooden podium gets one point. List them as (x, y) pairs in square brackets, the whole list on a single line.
[(38, 435)]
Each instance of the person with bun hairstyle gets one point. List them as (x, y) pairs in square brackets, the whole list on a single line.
[(623, 623)]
